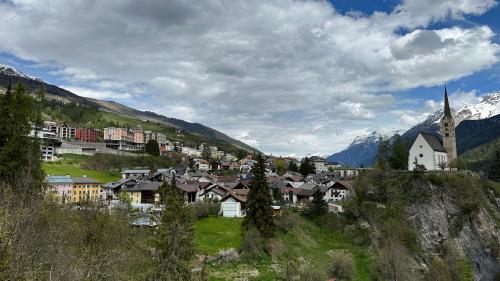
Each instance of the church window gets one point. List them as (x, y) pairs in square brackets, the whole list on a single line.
[(446, 124), (421, 155)]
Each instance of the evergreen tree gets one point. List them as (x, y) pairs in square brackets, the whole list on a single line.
[(293, 167), (398, 159), (494, 170), (152, 147), (383, 154), (18, 152), (205, 153), (175, 237), (307, 167), (259, 211), (318, 206)]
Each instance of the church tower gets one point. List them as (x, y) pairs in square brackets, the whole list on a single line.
[(448, 130)]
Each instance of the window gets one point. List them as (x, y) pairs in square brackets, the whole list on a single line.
[(447, 134), (446, 124), (421, 155)]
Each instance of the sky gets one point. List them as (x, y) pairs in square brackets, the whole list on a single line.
[(287, 77)]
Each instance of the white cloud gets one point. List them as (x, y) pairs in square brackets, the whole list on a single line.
[(98, 93), (274, 69)]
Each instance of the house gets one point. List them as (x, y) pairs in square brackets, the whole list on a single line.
[(143, 192), (213, 192), (340, 190), (62, 186), (319, 164), (202, 165), (164, 175), (112, 189), (136, 173), (85, 188), (428, 152), (233, 205), (190, 191), (215, 166)]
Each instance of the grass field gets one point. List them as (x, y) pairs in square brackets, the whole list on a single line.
[(306, 241), (70, 165), (214, 234)]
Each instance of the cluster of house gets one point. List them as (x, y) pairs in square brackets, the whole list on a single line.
[(143, 187), (114, 138)]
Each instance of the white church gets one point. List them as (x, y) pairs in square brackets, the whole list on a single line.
[(428, 152)]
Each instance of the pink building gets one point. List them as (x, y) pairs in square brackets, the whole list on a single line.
[(138, 136), (62, 186)]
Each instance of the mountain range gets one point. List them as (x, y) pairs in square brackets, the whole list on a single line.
[(9, 74), (475, 124)]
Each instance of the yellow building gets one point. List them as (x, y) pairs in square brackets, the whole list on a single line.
[(86, 188)]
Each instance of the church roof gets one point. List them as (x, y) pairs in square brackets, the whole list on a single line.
[(447, 111), (434, 142)]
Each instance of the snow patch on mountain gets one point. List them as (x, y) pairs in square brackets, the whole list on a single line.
[(10, 71)]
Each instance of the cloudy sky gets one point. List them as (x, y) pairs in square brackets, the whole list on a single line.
[(288, 77)]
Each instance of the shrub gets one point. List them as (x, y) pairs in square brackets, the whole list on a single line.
[(341, 267), (253, 243), (203, 209), (227, 256), (286, 221)]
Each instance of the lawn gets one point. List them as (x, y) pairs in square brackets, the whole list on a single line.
[(306, 240), (70, 165), (214, 234)]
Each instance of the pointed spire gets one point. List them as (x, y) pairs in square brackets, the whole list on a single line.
[(447, 111)]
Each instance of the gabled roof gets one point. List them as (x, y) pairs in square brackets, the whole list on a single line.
[(434, 142), (188, 187), (307, 192), (238, 198)]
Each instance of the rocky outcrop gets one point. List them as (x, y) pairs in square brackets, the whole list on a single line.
[(477, 235)]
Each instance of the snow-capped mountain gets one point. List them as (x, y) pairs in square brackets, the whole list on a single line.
[(11, 71), (488, 107), (363, 149)]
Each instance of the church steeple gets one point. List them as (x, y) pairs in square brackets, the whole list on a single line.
[(447, 111), (448, 130)]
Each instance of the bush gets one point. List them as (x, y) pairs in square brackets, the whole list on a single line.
[(227, 256), (204, 209), (342, 266), (253, 243), (286, 221)]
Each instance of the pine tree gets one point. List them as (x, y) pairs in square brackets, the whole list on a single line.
[(293, 167), (259, 211), (318, 206), (383, 154), (307, 167), (494, 170), (398, 159), (18, 152), (152, 147), (175, 237)]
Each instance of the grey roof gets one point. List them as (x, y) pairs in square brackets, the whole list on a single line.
[(307, 192), (434, 142), (135, 171), (143, 186), (308, 186), (188, 187), (85, 180), (59, 179)]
